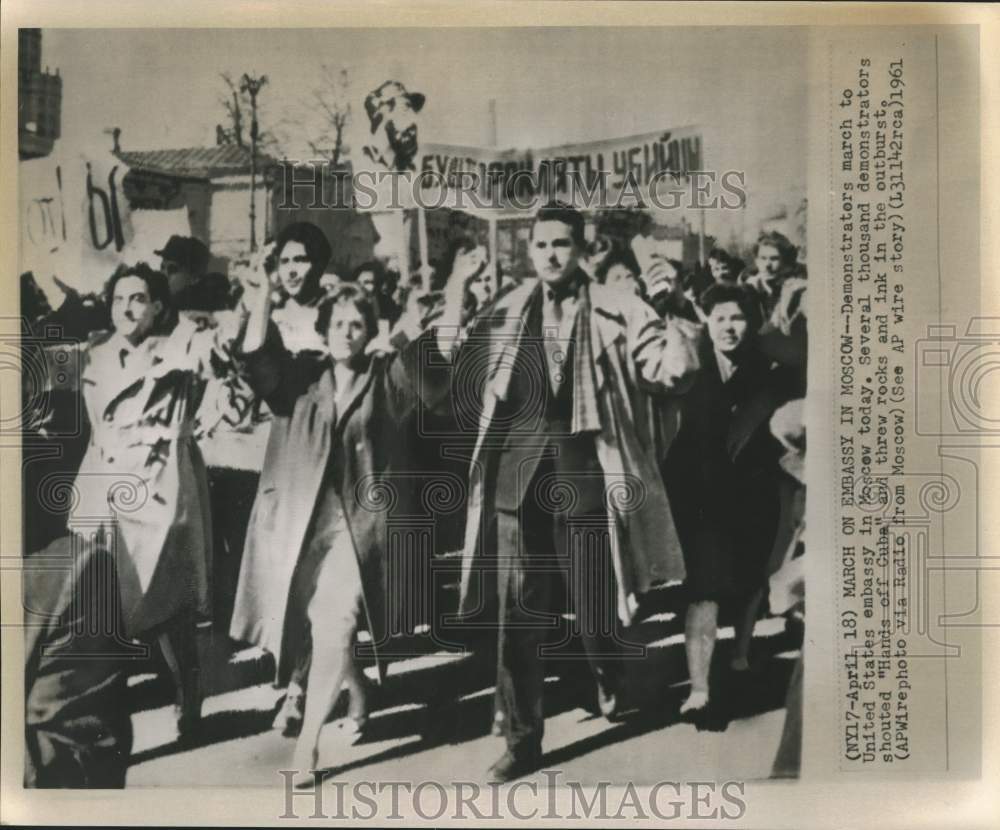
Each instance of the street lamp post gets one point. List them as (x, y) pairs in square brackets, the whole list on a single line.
[(251, 85)]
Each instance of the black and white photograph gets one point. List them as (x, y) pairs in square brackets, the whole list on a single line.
[(421, 411), (505, 474)]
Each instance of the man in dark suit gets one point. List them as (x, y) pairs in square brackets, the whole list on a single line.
[(562, 472)]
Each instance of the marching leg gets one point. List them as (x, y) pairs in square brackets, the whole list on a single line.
[(744, 630), (357, 685), (521, 667), (699, 643), (333, 620), (180, 651), (331, 655)]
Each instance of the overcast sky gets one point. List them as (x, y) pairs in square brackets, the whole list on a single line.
[(551, 86)]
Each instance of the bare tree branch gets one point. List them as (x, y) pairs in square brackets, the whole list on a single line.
[(235, 127), (329, 106), (233, 105)]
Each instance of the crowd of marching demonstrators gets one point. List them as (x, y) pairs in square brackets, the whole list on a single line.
[(619, 421)]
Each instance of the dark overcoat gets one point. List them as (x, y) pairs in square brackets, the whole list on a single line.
[(366, 433), (723, 476), (77, 723)]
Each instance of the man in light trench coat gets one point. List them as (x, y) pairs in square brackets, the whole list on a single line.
[(564, 489)]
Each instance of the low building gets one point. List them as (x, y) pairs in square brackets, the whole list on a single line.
[(212, 184)]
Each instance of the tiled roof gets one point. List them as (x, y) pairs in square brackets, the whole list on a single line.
[(195, 162)]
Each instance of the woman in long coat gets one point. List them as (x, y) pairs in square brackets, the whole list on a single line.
[(722, 476), (142, 486), (295, 264), (325, 504)]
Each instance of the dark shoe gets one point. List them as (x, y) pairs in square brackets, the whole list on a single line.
[(359, 707), (288, 721), (510, 766), (188, 726), (609, 700), (354, 729), (697, 702)]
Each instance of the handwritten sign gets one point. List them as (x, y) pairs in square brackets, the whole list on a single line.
[(75, 219)]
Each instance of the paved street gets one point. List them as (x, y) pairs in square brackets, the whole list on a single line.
[(431, 720)]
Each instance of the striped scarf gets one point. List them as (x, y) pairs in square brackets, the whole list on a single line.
[(586, 412)]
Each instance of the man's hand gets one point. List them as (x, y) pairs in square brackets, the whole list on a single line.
[(469, 263), (380, 344), (451, 322), (661, 277)]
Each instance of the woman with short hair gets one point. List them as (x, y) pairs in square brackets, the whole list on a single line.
[(620, 269), (323, 568), (297, 262), (294, 264)]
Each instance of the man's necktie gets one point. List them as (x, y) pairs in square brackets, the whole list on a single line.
[(555, 348)]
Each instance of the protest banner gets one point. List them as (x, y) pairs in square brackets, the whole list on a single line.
[(615, 171), (75, 219)]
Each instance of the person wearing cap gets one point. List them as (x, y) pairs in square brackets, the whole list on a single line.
[(391, 109), (184, 261)]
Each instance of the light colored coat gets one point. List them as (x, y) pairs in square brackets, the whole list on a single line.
[(142, 478), (635, 355)]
